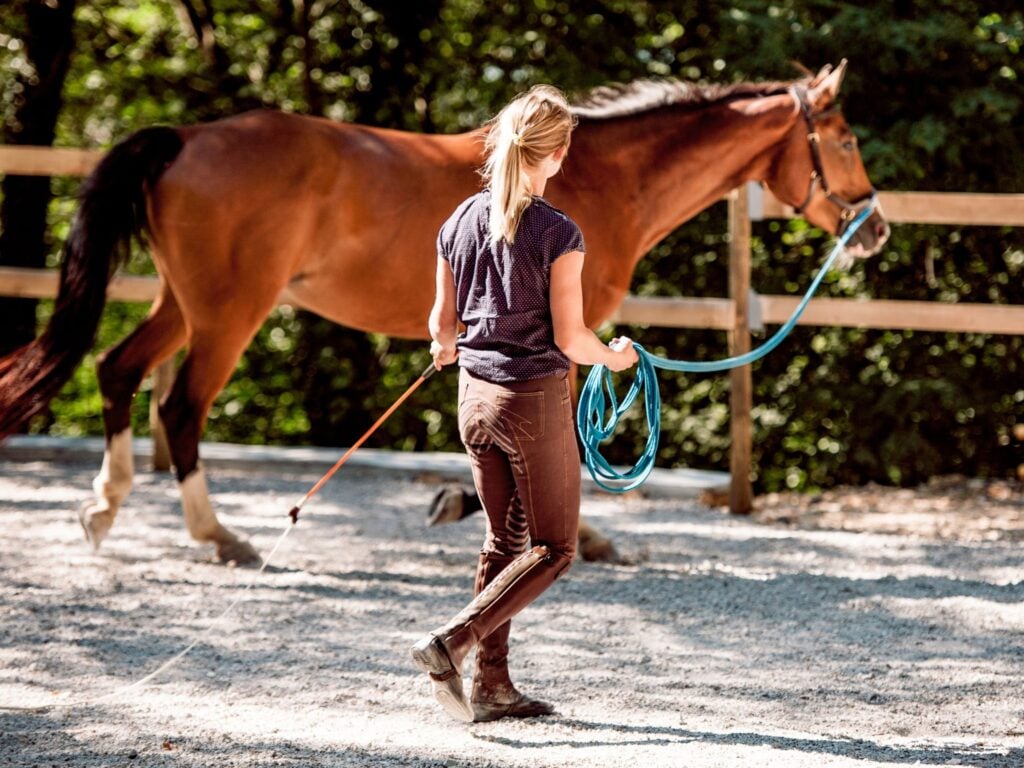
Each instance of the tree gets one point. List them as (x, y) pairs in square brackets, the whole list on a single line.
[(38, 85)]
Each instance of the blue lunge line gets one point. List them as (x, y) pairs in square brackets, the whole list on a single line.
[(598, 393)]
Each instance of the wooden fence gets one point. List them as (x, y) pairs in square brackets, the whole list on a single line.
[(733, 314)]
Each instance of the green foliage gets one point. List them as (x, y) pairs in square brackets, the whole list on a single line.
[(934, 92)]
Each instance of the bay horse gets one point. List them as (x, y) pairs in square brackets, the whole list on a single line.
[(345, 217)]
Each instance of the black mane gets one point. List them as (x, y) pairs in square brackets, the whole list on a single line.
[(619, 100)]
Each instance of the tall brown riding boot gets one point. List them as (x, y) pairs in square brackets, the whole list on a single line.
[(494, 696), (441, 653)]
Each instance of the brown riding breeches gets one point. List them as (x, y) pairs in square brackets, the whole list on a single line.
[(521, 442), (526, 467)]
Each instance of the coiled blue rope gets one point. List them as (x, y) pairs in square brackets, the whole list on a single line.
[(598, 394)]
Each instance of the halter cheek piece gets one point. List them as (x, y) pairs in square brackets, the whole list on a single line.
[(847, 211)]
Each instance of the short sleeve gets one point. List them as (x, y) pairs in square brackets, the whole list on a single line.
[(563, 237)]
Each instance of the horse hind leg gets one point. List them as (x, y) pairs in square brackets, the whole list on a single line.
[(211, 358), (121, 370)]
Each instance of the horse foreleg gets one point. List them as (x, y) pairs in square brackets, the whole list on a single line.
[(204, 373), (121, 370)]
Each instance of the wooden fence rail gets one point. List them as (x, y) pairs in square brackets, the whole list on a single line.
[(665, 312), (736, 314)]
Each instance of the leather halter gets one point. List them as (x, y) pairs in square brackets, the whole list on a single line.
[(847, 210)]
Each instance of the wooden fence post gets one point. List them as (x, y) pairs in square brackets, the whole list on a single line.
[(162, 378), (741, 395)]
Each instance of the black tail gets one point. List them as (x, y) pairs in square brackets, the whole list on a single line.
[(112, 212)]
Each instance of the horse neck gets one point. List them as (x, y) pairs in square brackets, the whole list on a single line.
[(669, 164)]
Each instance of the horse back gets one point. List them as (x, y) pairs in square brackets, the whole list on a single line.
[(341, 214)]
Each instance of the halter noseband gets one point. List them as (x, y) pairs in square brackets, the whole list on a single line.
[(847, 210)]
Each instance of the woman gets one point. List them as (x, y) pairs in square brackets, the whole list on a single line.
[(509, 269)]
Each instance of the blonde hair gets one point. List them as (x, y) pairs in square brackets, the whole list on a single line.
[(528, 129)]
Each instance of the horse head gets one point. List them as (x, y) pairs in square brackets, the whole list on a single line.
[(819, 171)]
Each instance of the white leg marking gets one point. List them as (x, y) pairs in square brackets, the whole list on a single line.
[(114, 481), (203, 524), (200, 519), (111, 485)]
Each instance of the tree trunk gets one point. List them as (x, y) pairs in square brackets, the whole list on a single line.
[(48, 43)]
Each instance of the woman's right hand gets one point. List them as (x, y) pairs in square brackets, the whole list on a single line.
[(625, 356), (443, 354)]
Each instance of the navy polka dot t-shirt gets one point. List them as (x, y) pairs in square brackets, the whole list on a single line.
[(502, 291)]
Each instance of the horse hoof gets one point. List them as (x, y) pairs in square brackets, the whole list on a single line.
[(238, 552), (452, 504), (446, 507), (96, 521), (602, 551)]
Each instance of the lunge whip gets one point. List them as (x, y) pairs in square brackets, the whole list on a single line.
[(294, 511)]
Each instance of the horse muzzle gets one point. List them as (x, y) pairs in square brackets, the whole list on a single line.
[(871, 235)]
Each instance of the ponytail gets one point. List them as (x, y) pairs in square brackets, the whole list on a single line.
[(528, 129)]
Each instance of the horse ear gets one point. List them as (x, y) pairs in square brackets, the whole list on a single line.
[(822, 74), (825, 88)]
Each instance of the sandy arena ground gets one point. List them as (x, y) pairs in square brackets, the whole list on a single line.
[(780, 640)]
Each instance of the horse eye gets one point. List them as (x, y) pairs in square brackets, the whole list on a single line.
[(848, 145)]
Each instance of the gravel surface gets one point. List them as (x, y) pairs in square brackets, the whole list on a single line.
[(776, 640)]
